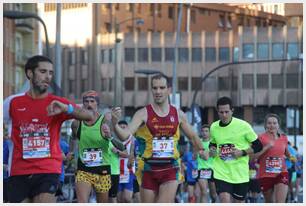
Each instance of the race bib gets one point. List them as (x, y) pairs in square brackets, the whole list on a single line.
[(226, 152), (35, 140), (205, 174), (252, 174), (163, 148), (92, 157), (124, 178), (273, 165), (35, 147), (194, 174)]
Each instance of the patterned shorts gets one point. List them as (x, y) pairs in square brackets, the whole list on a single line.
[(101, 183)]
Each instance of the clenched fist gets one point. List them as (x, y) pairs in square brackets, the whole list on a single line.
[(116, 115)]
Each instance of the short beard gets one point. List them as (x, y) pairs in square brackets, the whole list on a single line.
[(36, 88)]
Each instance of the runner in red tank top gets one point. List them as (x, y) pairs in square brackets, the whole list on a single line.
[(162, 122), (273, 175)]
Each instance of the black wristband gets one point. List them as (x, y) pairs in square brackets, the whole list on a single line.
[(244, 153)]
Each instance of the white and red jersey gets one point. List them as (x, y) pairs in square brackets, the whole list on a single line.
[(124, 170), (34, 134)]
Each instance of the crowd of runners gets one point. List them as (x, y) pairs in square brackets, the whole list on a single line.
[(141, 160)]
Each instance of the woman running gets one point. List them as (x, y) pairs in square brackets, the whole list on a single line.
[(273, 174)]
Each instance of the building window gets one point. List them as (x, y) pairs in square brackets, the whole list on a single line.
[(111, 85), (292, 81), (247, 81), (84, 56), (262, 81), (196, 54), (138, 6), (143, 83), (275, 9), (235, 54), (152, 9), (224, 54), (83, 85), (210, 54), (103, 84), (248, 51), (196, 83), (130, 29), (258, 22), (102, 56), (129, 54), (142, 54), (169, 54), (277, 50), (71, 86), (111, 56), (262, 50), (159, 10), (221, 22), (229, 22), (223, 83), (182, 83), (293, 50), (277, 81), (259, 114), (129, 83), (108, 27), (19, 47), (240, 20), (248, 24), (183, 54), (234, 81), (210, 84), (129, 7), (294, 21), (193, 16), (170, 12), (156, 54), (117, 6), (71, 56)]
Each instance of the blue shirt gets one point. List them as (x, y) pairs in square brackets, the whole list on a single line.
[(299, 166), (65, 149), (292, 152), (6, 155), (191, 164)]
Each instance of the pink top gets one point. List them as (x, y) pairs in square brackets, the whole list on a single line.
[(272, 162)]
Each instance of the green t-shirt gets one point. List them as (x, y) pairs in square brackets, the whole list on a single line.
[(238, 134), (204, 164), (114, 160)]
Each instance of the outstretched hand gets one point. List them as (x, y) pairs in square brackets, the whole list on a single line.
[(56, 107), (116, 115)]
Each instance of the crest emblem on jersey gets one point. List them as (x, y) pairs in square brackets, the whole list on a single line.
[(154, 120), (171, 118)]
